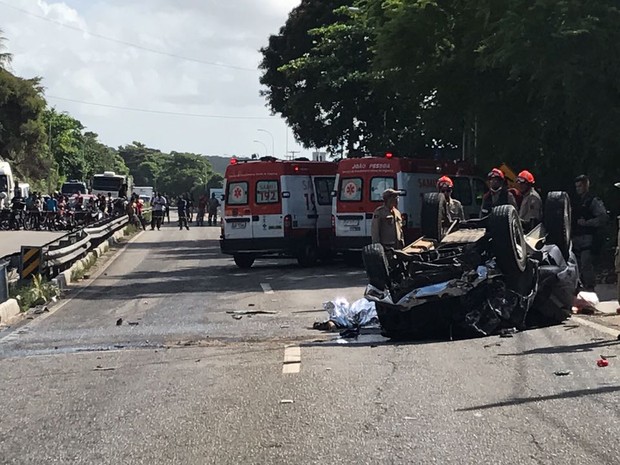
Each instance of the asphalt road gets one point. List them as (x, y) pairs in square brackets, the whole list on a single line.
[(189, 384), (12, 241)]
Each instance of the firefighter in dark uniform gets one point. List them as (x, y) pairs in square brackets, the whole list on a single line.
[(498, 193), (589, 216), (387, 222)]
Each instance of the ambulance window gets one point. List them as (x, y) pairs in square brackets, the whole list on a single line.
[(462, 191), (267, 192), (480, 188), (324, 188), (237, 193), (378, 185), (351, 189)]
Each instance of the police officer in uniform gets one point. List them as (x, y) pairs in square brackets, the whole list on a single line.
[(498, 193), (589, 215), (531, 209), (387, 222)]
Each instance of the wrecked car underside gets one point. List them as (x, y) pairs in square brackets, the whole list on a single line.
[(475, 278)]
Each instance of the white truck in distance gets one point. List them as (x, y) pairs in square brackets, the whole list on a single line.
[(110, 182), (145, 193)]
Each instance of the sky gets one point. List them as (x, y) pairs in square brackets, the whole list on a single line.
[(59, 41)]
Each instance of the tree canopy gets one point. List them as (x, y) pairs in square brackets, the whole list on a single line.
[(534, 84)]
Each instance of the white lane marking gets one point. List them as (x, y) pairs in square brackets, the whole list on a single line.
[(266, 288), (292, 360), (597, 326)]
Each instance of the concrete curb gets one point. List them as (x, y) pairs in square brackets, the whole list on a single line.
[(9, 310)]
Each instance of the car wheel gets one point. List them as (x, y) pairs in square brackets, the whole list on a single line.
[(434, 213), (508, 240), (244, 261), (377, 266), (308, 256), (557, 221)]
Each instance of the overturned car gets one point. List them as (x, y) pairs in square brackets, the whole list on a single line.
[(477, 277)]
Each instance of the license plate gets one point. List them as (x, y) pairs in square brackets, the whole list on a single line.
[(351, 222), (238, 225), (354, 228)]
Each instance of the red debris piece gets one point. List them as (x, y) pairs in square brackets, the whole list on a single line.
[(602, 363)]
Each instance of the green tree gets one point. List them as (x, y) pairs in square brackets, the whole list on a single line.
[(22, 133), (182, 172), (99, 157), (66, 143)]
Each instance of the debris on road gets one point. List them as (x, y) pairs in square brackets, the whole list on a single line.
[(38, 311), (286, 401), (237, 317), (342, 315), (252, 312), (601, 363), (133, 323), (350, 333), (250, 305), (562, 373), (284, 326), (508, 332), (119, 322), (495, 344), (101, 368)]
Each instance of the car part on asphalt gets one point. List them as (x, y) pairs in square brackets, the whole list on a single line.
[(483, 276)]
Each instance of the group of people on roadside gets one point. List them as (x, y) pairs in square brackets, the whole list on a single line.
[(589, 215), (185, 210)]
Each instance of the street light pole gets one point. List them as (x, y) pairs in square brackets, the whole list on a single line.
[(264, 145), (273, 142)]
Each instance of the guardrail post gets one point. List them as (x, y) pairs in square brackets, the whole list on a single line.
[(4, 283)]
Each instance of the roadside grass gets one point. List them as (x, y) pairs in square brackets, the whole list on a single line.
[(29, 294)]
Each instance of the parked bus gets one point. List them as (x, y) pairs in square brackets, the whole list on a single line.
[(110, 182)]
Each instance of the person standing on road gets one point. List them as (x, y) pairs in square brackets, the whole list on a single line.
[(498, 193), (589, 217), (159, 206), (214, 204), (445, 186), (617, 260), (531, 209), (387, 222), (167, 207), (183, 211)]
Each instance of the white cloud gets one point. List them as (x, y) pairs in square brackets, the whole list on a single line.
[(79, 66)]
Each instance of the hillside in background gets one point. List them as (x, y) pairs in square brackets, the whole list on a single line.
[(219, 163)]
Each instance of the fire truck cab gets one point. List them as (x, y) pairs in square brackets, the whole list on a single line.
[(360, 183), (277, 208)]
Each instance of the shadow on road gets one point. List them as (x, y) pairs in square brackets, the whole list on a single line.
[(529, 400), (167, 270), (577, 348)]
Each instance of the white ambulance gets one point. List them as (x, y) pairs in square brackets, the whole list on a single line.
[(360, 183), (277, 208)]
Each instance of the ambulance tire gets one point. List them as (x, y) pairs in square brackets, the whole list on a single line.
[(244, 261), (377, 266), (557, 220), (508, 244), (308, 256), (433, 215)]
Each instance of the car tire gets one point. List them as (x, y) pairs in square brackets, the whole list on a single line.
[(308, 256), (508, 240), (244, 261), (433, 215), (377, 266), (557, 221)]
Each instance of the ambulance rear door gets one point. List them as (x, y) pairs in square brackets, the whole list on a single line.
[(267, 205), (298, 203), (237, 213), (415, 186)]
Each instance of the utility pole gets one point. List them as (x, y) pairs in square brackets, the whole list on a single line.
[(293, 152)]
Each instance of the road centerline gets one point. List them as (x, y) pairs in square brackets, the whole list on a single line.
[(292, 360), (266, 288)]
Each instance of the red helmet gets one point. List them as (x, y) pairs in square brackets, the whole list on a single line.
[(444, 181), (496, 173), (526, 176)]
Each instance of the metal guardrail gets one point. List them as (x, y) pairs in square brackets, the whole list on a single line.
[(62, 253)]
